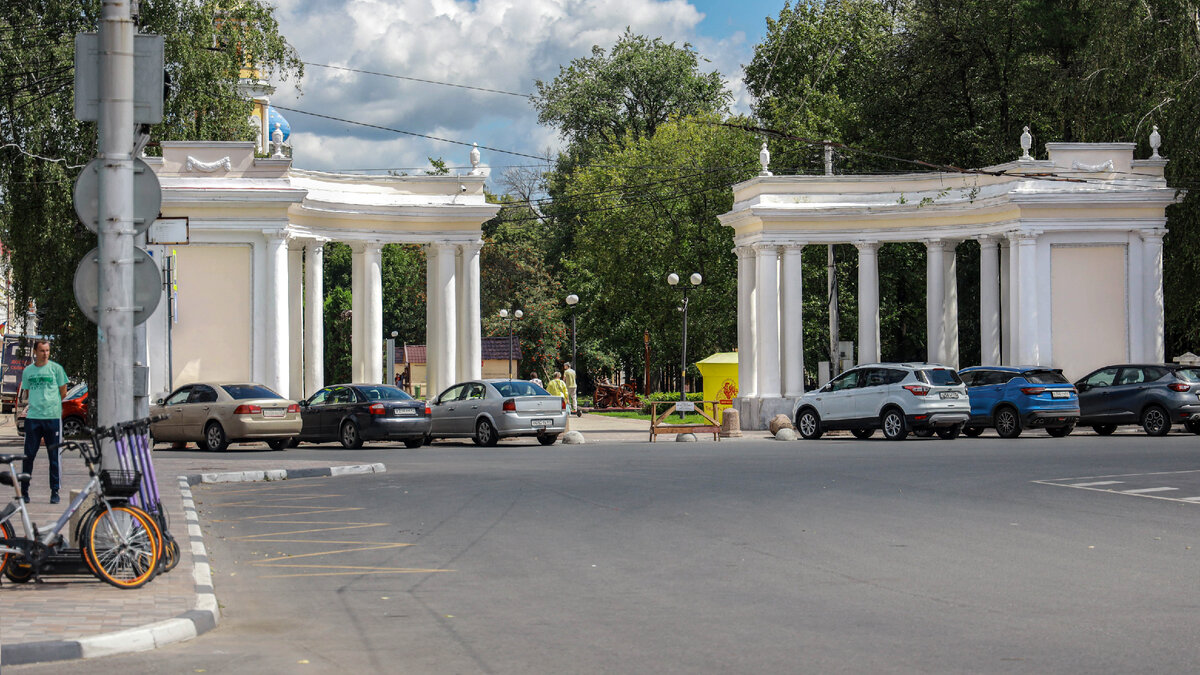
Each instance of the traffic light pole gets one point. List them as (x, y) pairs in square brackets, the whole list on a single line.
[(115, 227)]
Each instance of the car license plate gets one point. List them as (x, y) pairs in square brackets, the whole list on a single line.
[(274, 412), (1060, 394), (949, 394), (402, 412), (541, 422)]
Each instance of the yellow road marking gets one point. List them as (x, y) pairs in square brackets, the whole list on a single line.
[(342, 574), (378, 547), (317, 529)]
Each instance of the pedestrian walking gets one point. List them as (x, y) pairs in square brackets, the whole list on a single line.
[(46, 382), (557, 387), (536, 380), (569, 381)]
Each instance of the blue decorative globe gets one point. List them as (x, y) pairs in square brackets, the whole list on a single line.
[(273, 118)]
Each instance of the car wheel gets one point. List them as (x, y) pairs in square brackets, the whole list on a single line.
[(413, 443), (862, 434), (949, 433), (1104, 429), (1008, 423), (485, 433), (279, 443), (547, 439), (72, 427), (1059, 432), (215, 439), (295, 442), (808, 423), (972, 432), (923, 433), (350, 438), (1192, 426), (1155, 421), (894, 428)]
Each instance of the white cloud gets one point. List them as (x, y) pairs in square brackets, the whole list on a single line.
[(498, 44)]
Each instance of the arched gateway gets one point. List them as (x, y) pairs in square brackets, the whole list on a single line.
[(246, 303), (1070, 269)]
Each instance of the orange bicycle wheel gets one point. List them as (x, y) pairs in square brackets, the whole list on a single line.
[(122, 542)]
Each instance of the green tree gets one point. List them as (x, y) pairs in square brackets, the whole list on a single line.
[(42, 146)]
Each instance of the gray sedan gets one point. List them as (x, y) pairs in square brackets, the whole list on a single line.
[(488, 410)]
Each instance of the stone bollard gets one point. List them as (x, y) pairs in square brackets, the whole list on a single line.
[(685, 438), (572, 438), (731, 424), (778, 422), (785, 434)]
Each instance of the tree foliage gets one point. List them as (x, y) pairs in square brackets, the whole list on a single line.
[(42, 146)]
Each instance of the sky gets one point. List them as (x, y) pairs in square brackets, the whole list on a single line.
[(494, 44)]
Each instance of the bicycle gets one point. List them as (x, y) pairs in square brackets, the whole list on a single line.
[(120, 543)]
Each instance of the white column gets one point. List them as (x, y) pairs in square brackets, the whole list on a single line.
[(470, 346), (432, 384), (989, 301), (791, 316), (935, 298), (295, 320), (444, 317), (275, 371), (1152, 295), (357, 266), (1007, 322), (314, 316), (372, 325), (747, 340), (1026, 304), (950, 305), (767, 287), (868, 301)]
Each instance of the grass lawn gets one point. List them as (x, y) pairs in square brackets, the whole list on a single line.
[(691, 418)]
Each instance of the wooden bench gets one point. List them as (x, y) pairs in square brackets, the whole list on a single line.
[(657, 426)]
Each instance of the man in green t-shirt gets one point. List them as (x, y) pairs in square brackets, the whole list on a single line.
[(569, 380), (46, 382)]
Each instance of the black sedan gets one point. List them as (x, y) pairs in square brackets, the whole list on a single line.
[(353, 413)]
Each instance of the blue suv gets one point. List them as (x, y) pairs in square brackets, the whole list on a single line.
[(1012, 398)]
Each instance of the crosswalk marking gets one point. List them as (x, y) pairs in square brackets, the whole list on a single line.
[(1146, 490), (1097, 483)]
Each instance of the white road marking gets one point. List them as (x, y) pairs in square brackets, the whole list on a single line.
[(1102, 482), (1145, 490), (1189, 499)]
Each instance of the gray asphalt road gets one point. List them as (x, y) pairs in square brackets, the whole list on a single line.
[(1030, 556)]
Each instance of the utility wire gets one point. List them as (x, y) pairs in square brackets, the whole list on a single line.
[(417, 79)]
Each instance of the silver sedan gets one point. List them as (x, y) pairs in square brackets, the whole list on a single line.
[(488, 410)]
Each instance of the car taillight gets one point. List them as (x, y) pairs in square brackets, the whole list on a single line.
[(564, 404), (428, 412), (510, 405), (1179, 386), (294, 408), (1033, 390), (917, 389), (378, 409), (247, 409)]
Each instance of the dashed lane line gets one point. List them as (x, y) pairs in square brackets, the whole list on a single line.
[(1143, 491), (1097, 483)]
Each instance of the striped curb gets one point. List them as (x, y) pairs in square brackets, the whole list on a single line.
[(205, 614)]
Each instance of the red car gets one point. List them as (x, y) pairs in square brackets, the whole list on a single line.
[(74, 411)]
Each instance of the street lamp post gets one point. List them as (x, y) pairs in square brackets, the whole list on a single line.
[(673, 280), (573, 300), (510, 318)]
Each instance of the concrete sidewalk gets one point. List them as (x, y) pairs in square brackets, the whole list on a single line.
[(73, 617)]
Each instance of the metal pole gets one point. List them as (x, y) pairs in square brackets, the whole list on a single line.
[(390, 346), (831, 274), (116, 130), (646, 375), (573, 363), (683, 355), (510, 335)]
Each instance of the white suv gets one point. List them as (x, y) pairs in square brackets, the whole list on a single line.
[(895, 397)]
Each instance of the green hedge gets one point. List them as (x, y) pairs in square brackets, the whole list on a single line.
[(666, 396)]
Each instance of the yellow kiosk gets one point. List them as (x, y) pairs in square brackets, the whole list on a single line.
[(720, 373)]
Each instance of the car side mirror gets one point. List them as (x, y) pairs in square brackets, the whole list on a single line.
[(303, 404), (1081, 387), (160, 401)]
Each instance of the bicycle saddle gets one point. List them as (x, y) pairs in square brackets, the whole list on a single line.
[(8, 459)]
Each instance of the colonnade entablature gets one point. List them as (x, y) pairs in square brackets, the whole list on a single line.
[(1070, 266), (253, 261)]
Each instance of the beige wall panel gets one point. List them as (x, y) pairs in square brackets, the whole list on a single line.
[(1088, 305), (212, 340)]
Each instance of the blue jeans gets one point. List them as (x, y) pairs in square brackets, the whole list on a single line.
[(35, 431)]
